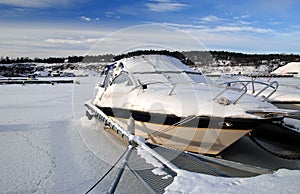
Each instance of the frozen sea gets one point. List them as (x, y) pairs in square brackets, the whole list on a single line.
[(42, 145), (48, 146)]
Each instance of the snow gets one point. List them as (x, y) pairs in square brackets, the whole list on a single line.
[(149, 158), (158, 170), (290, 68), (48, 146), (282, 181), (294, 124), (44, 146), (152, 63)]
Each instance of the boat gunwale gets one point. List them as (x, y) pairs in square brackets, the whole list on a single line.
[(203, 121)]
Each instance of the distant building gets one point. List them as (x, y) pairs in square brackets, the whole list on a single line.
[(292, 68)]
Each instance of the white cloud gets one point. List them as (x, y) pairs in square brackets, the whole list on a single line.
[(245, 22), (241, 29), (221, 28), (84, 18), (38, 3), (71, 41), (182, 26), (210, 18), (241, 17), (165, 5), (111, 14), (44, 40)]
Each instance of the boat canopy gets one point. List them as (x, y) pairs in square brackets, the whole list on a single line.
[(160, 68), (153, 63)]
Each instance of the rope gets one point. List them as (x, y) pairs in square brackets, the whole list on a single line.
[(113, 166), (118, 176), (279, 155)]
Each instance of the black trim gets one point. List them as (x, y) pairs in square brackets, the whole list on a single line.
[(285, 102), (199, 121)]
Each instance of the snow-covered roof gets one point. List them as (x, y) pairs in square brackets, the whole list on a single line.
[(290, 68)]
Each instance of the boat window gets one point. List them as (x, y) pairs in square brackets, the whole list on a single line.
[(123, 78), (108, 72), (198, 78)]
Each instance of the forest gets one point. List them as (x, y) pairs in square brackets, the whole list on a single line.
[(195, 56)]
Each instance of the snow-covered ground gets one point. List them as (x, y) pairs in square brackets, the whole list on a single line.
[(48, 146), (41, 149)]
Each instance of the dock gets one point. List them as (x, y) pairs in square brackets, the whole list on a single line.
[(34, 81)]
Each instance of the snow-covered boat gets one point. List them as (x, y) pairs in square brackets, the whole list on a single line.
[(154, 94)]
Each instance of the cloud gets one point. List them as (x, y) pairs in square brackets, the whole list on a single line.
[(165, 5), (88, 19), (241, 17), (44, 40), (215, 19), (220, 28), (84, 18), (38, 3), (111, 14), (241, 29), (185, 26), (71, 41), (210, 18), (48, 39)]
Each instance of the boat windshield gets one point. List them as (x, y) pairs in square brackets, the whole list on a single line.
[(171, 77), (123, 78)]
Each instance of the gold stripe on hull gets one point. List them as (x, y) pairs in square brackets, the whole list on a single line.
[(192, 139)]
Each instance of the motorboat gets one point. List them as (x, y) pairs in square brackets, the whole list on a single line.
[(156, 95)]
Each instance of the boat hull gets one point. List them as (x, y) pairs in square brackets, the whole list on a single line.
[(199, 134), (199, 140)]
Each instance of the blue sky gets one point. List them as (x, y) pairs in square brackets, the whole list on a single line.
[(44, 28)]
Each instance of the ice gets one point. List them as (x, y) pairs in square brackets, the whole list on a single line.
[(41, 148), (294, 124)]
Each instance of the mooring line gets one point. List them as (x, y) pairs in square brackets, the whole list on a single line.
[(113, 166)]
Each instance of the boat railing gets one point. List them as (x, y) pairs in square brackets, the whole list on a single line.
[(268, 86), (244, 88), (229, 85)]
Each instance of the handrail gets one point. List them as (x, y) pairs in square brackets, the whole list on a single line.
[(228, 87), (274, 85), (245, 91), (271, 93)]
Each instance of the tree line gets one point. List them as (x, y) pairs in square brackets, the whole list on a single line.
[(201, 57)]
